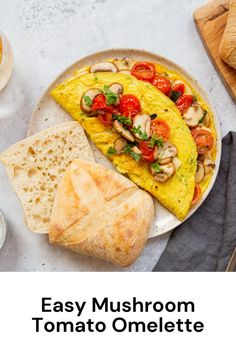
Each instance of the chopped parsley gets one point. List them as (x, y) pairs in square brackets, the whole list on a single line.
[(138, 131), (203, 117), (155, 141), (122, 119), (111, 151), (135, 155), (156, 167), (153, 116), (174, 95), (88, 101), (194, 98), (111, 97)]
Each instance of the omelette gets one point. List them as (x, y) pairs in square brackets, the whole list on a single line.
[(177, 192)]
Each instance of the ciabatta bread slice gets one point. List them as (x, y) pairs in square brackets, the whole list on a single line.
[(36, 165), (227, 47), (100, 213)]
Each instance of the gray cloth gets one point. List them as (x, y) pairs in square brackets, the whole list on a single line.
[(207, 239)]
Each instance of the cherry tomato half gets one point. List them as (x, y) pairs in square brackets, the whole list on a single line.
[(184, 102), (160, 128), (162, 84), (197, 194), (100, 104), (179, 88), (106, 119), (203, 139), (143, 71), (147, 151), (129, 105)]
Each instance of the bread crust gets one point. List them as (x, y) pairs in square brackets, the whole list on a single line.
[(227, 49), (36, 165), (100, 213)]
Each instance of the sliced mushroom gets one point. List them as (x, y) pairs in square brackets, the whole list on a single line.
[(124, 132), (208, 165), (143, 123), (103, 67), (164, 161), (206, 120), (117, 89), (167, 151), (136, 150), (128, 62), (91, 94), (123, 64), (176, 162), (193, 115), (199, 173), (167, 171), (120, 145), (125, 72)]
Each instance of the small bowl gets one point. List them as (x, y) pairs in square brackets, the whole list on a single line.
[(6, 61)]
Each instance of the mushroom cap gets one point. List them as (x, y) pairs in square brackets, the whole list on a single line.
[(144, 122), (91, 93), (193, 115), (104, 67), (199, 173), (124, 132)]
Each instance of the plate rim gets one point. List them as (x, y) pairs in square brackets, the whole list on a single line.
[(169, 63)]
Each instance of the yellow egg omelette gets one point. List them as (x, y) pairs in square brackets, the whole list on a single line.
[(176, 193)]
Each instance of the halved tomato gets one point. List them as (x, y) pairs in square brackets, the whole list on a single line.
[(143, 70), (179, 88), (162, 84), (129, 105), (147, 151), (106, 119), (197, 194), (100, 104), (184, 102), (160, 128), (203, 139)]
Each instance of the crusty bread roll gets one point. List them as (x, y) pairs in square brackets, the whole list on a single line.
[(100, 213), (227, 47), (36, 165)]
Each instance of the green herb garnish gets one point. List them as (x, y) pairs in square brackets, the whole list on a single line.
[(153, 116), (156, 167), (111, 151), (122, 119), (203, 117), (128, 150), (155, 141), (88, 101), (138, 131), (111, 97), (194, 99), (175, 95)]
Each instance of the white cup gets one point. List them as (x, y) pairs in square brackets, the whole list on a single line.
[(6, 61)]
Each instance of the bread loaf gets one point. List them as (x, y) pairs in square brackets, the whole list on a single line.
[(100, 213), (35, 167), (227, 49)]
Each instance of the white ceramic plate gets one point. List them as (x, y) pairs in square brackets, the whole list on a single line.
[(48, 113)]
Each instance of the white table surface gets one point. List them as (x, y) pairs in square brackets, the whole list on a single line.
[(49, 35)]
